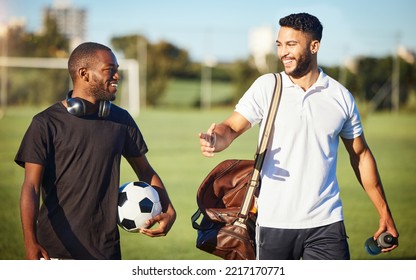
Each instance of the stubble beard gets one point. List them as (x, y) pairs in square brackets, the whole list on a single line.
[(100, 93), (304, 63)]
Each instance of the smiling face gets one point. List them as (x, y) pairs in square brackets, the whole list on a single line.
[(104, 76), (297, 51)]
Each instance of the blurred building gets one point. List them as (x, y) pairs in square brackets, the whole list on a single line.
[(406, 54), (71, 21), (261, 44)]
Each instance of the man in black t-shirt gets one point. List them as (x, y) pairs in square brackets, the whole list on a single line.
[(71, 153)]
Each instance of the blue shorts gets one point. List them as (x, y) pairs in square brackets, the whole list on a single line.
[(322, 243)]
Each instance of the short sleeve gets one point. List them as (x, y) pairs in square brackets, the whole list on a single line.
[(135, 144), (352, 127), (34, 145)]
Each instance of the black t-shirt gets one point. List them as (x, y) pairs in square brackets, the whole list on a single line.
[(81, 157)]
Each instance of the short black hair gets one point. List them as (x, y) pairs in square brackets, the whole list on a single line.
[(303, 22), (82, 56)]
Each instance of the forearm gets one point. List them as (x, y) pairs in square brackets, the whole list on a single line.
[(29, 209), (168, 215), (223, 135), (219, 136), (365, 168), (371, 182), (157, 183), (146, 173), (370, 179)]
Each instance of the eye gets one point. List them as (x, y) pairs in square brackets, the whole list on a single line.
[(111, 70)]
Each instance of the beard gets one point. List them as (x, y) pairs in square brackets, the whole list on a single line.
[(99, 92), (303, 65)]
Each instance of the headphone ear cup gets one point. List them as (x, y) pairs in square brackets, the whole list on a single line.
[(76, 106), (104, 108)]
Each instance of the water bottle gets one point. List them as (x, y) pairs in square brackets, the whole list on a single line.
[(385, 240)]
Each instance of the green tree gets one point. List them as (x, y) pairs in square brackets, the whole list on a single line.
[(374, 80), (243, 75), (37, 86), (162, 61)]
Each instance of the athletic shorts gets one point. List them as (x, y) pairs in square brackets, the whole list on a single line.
[(322, 243)]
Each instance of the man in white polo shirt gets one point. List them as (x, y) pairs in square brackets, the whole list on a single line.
[(300, 214)]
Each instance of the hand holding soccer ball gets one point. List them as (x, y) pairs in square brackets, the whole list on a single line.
[(137, 203)]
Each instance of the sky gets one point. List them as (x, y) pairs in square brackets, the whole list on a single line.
[(220, 29)]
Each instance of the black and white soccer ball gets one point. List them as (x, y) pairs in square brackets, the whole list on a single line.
[(137, 203)]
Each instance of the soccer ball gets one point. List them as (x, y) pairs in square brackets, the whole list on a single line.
[(137, 203)]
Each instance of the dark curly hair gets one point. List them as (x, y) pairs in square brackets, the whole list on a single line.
[(303, 22)]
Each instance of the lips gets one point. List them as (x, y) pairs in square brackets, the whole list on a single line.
[(287, 61)]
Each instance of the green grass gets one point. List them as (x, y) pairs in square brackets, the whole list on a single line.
[(187, 93), (174, 152), (172, 138), (392, 140)]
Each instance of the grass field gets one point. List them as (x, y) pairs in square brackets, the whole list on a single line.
[(174, 152)]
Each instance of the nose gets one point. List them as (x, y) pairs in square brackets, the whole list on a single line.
[(281, 51), (116, 76)]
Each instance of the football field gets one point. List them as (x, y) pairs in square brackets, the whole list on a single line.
[(174, 153)]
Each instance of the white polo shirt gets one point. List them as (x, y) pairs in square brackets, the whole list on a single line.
[(299, 188)]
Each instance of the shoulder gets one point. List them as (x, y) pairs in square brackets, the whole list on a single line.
[(118, 110), (51, 113), (255, 101), (56, 107), (120, 115), (266, 79), (327, 81), (263, 86), (338, 90)]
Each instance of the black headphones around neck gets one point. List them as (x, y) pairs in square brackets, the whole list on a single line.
[(77, 107)]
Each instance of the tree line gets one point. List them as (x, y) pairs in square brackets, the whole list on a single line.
[(370, 79)]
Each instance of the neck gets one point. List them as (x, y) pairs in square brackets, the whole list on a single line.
[(307, 80)]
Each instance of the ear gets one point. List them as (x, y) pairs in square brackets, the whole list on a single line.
[(315, 44), (83, 74)]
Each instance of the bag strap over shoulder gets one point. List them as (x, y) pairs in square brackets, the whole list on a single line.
[(261, 150)]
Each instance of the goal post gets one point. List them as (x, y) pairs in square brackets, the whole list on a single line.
[(130, 97)]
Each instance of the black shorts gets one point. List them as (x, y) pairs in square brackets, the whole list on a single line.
[(322, 243)]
